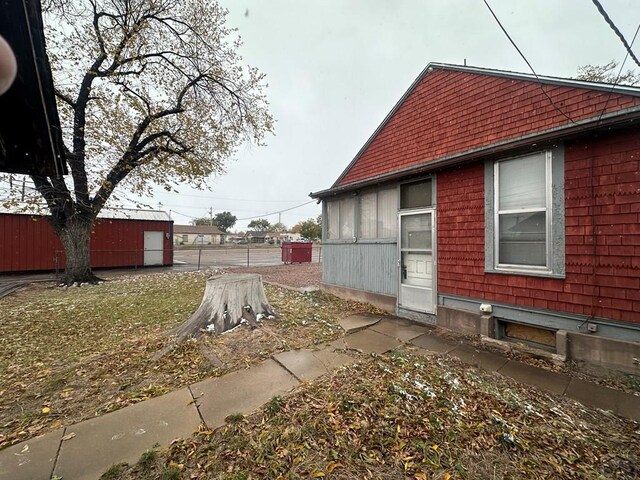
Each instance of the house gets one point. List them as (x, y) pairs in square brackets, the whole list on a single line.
[(257, 236), (498, 203), (120, 238), (198, 235)]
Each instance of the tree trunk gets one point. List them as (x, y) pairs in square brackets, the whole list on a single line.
[(227, 300), (75, 236)]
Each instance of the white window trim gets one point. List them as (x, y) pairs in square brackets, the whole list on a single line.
[(555, 235), (547, 209)]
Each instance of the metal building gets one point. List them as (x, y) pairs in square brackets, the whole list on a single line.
[(120, 238)]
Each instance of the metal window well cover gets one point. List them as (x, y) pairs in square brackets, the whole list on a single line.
[(30, 133)]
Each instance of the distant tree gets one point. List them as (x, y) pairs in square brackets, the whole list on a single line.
[(608, 73), (278, 227), (311, 229), (296, 228), (224, 220), (261, 224), (201, 221)]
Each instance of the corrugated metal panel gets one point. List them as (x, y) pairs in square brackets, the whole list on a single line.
[(371, 267), (28, 243), (119, 213)]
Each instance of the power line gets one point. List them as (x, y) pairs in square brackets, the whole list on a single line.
[(607, 19), (279, 211), (615, 84), (527, 62)]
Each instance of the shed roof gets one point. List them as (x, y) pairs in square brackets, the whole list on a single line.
[(114, 213), (453, 113)]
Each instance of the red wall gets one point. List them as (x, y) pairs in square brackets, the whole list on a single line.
[(605, 284), (29, 243), (451, 112)]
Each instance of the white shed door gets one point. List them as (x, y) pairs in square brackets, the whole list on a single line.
[(153, 243)]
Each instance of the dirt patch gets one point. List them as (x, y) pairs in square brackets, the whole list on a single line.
[(294, 275)]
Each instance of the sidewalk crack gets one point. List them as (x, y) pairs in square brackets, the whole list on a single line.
[(55, 460), (194, 400)]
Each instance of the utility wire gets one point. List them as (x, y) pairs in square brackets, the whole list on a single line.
[(607, 19), (279, 211), (615, 84), (527, 62)]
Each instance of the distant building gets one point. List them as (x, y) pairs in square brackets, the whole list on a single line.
[(198, 235)]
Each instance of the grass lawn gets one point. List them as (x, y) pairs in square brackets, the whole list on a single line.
[(406, 416), (67, 354)]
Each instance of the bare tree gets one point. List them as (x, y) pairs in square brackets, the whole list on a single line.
[(151, 94), (608, 73)]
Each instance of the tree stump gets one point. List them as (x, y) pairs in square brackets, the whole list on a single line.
[(227, 300)]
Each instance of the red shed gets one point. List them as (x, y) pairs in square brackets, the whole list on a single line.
[(120, 238)]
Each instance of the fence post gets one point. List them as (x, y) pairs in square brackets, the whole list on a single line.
[(199, 255), (247, 256)]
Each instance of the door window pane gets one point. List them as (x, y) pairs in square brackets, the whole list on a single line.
[(522, 182), (522, 239), (368, 209), (414, 195), (387, 211), (416, 232)]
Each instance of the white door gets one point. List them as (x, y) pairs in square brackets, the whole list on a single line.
[(417, 276), (153, 246)]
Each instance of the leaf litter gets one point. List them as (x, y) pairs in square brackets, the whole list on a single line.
[(406, 416), (71, 354)]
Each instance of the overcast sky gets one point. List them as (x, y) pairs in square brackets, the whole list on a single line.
[(336, 67)]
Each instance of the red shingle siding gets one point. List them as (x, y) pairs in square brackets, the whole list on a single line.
[(605, 284), (452, 112)]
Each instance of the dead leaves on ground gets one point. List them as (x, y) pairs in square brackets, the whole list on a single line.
[(404, 416)]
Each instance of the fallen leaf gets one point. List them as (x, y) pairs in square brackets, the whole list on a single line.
[(69, 436), (46, 410), (317, 475), (56, 424)]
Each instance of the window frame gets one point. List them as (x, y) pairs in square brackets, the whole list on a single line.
[(554, 210), (357, 227)]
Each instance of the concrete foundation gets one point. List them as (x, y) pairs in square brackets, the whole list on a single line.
[(460, 320), (606, 352), (385, 302)]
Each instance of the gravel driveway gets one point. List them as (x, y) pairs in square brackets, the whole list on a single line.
[(294, 275)]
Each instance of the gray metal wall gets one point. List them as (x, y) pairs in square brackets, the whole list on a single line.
[(371, 267)]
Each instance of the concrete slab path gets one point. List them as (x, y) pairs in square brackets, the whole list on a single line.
[(241, 391), (88, 449), (307, 365), (122, 436)]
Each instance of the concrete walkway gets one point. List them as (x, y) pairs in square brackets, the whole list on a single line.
[(89, 448)]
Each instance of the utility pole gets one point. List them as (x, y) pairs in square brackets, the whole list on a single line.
[(211, 216)]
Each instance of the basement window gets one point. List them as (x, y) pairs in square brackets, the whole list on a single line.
[(531, 335)]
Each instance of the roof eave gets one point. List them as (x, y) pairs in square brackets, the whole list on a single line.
[(635, 91), (575, 129)]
